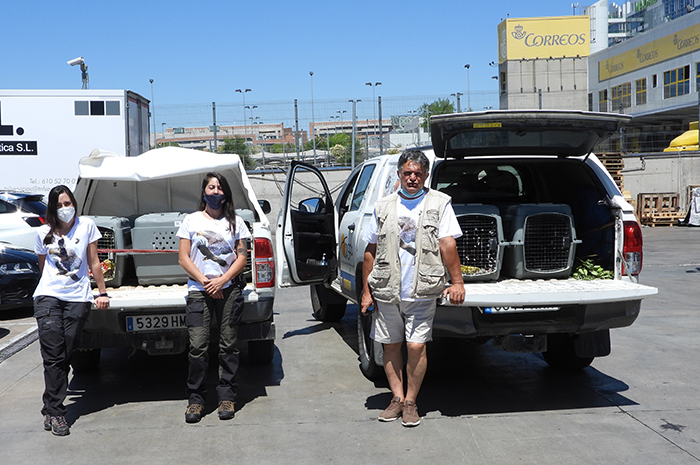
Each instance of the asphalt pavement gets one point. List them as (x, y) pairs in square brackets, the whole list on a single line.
[(480, 405)]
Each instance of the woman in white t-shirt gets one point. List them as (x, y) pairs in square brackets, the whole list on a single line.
[(67, 248), (213, 251)]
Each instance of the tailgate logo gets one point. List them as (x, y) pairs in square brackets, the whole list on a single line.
[(15, 147)]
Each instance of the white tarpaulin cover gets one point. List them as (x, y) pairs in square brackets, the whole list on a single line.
[(167, 179), (693, 217)]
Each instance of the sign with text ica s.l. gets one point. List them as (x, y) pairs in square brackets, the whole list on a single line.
[(15, 147), (556, 37)]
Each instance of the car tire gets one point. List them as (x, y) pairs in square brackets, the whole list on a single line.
[(561, 354), (368, 349), (326, 304), (261, 352), (85, 360)]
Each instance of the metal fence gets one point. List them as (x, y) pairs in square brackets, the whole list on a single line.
[(301, 113)]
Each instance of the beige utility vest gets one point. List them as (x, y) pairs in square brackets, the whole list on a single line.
[(429, 279)]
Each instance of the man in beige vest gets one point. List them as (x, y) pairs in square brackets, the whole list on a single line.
[(411, 241)]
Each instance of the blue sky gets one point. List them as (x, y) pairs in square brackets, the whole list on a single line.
[(199, 52)]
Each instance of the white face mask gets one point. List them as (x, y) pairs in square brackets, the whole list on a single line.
[(66, 214)]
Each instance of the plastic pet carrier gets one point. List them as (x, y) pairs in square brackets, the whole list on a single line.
[(116, 234), (158, 231), (543, 241), (482, 244)]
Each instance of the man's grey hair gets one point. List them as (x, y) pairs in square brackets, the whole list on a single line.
[(416, 156)]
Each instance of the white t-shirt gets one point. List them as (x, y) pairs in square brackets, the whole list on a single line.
[(213, 246), (65, 274), (408, 213)]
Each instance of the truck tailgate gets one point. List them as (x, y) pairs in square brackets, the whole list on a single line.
[(148, 296), (517, 292)]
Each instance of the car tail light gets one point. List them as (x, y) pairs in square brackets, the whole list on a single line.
[(632, 248), (34, 221), (264, 263)]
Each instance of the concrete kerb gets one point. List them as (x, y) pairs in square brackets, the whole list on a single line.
[(18, 343)]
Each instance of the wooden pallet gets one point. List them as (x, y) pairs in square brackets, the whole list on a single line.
[(659, 209), (663, 220), (613, 163)]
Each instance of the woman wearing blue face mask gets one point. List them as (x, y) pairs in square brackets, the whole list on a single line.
[(213, 251), (67, 248)]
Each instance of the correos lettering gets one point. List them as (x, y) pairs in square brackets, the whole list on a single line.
[(533, 40), (685, 43)]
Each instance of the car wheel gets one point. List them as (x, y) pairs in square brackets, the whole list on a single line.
[(261, 352), (84, 360), (561, 354), (368, 348), (326, 304)]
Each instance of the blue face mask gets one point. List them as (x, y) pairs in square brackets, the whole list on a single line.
[(406, 195), (215, 201)]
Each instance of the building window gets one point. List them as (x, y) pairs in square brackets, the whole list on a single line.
[(641, 91), (97, 108), (603, 100), (503, 82), (621, 96), (654, 82), (677, 82), (82, 108), (112, 108), (697, 77), (590, 102)]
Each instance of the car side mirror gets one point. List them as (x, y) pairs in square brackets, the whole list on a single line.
[(265, 205), (312, 205)]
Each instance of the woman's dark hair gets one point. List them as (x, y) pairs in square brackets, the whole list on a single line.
[(52, 208), (228, 207)]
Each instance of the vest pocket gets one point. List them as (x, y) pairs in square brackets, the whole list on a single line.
[(378, 279), (429, 279)]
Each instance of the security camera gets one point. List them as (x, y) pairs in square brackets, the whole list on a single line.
[(76, 61)]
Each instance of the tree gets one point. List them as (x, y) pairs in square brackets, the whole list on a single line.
[(440, 106), (238, 146)]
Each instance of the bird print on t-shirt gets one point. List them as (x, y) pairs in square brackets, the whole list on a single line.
[(215, 247)]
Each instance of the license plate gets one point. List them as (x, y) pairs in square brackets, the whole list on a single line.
[(155, 322), (492, 310)]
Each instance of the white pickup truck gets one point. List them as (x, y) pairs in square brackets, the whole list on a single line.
[(138, 204), (534, 204)]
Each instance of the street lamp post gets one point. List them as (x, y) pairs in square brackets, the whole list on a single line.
[(374, 107), (459, 107), (313, 120), (245, 126), (153, 115), (354, 130), (252, 136), (469, 100)]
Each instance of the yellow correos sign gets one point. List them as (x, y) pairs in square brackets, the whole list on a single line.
[(557, 36), (656, 51)]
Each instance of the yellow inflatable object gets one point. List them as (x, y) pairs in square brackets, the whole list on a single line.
[(688, 141)]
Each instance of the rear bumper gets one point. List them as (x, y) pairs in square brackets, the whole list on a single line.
[(107, 328), (531, 307), (468, 322)]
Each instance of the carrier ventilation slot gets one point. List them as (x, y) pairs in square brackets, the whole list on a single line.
[(547, 243), (478, 246)]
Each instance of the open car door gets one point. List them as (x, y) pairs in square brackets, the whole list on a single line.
[(306, 242)]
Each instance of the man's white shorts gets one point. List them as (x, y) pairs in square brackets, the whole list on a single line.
[(409, 321)]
